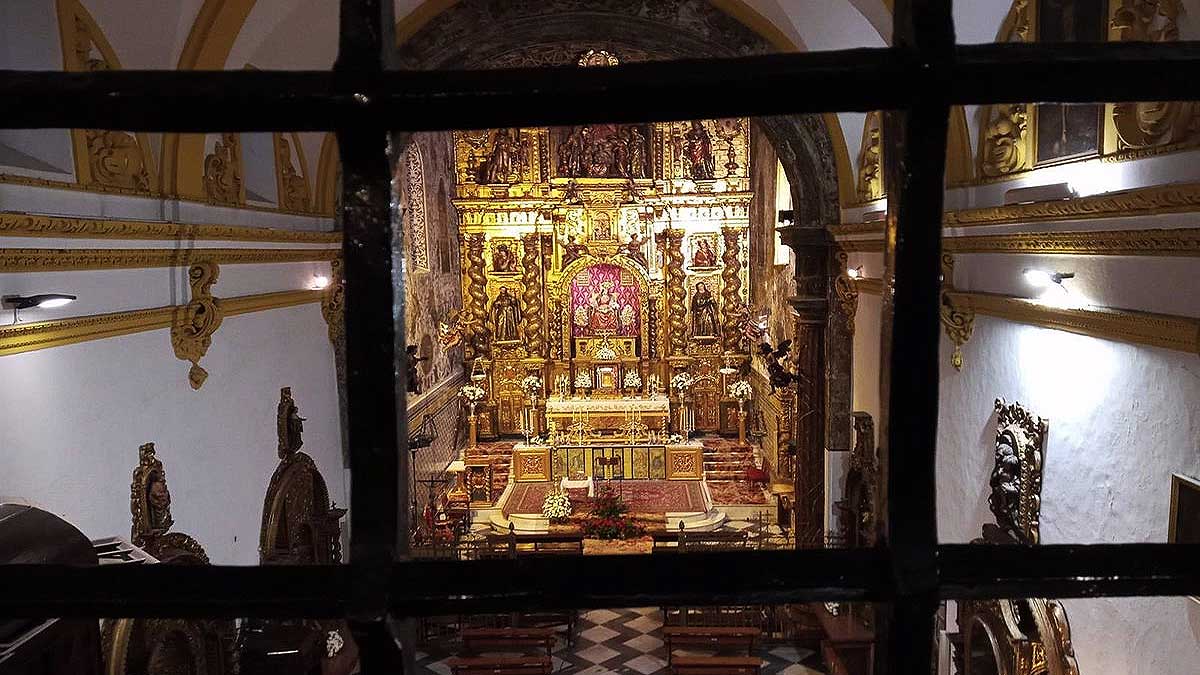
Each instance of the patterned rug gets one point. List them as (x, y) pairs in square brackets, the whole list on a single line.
[(643, 496)]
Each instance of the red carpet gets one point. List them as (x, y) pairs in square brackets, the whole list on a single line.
[(643, 496)]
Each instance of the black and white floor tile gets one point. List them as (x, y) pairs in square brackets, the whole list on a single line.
[(628, 642)]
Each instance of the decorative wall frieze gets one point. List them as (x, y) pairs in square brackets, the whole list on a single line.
[(195, 322), (1155, 200), (28, 337), (1156, 242), (14, 260), (1168, 331), (958, 319), (31, 225)]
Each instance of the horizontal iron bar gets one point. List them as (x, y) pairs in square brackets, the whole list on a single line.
[(423, 587), (845, 80), (554, 582), (1068, 571)]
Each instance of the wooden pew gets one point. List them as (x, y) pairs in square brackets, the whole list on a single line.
[(717, 665), (500, 665), (681, 542), (512, 545), (720, 638), (508, 639)]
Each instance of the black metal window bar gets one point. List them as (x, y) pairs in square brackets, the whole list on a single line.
[(915, 80)]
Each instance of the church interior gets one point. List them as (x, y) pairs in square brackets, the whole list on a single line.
[(614, 343)]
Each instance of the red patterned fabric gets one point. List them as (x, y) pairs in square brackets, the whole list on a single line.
[(643, 496), (599, 296)]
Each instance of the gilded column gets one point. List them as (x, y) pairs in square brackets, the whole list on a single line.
[(731, 289), (476, 300), (672, 242), (531, 296), (811, 307)]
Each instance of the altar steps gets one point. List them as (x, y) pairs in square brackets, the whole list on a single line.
[(727, 463)]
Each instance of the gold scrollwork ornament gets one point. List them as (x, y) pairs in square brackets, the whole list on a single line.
[(195, 323), (958, 318)]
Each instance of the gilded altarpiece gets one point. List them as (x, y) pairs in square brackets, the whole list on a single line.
[(630, 234)]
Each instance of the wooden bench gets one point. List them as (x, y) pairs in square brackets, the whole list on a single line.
[(513, 545), (717, 665), (720, 638), (508, 639), (500, 665), (681, 542)]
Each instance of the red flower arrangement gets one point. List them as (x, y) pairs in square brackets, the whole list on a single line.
[(609, 518)]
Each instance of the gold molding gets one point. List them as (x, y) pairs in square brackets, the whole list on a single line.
[(13, 260), (1154, 200), (1166, 331), (31, 225), (845, 229), (28, 337), (1156, 242), (195, 323), (1160, 242)]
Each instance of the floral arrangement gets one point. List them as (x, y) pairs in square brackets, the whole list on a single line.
[(557, 507), (633, 380), (740, 390), (609, 518), (675, 439), (682, 382), (583, 380), (532, 384), (472, 393)]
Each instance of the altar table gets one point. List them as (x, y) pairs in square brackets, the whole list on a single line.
[(679, 461), (595, 416)]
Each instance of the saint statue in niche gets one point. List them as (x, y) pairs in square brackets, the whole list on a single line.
[(704, 255), (291, 425), (505, 158), (503, 260), (698, 148), (602, 151), (506, 313), (704, 312), (570, 153), (637, 154), (158, 502)]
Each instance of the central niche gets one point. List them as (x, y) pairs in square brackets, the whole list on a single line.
[(604, 301), (602, 151)]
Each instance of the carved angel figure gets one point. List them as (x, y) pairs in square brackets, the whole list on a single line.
[(1002, 139)]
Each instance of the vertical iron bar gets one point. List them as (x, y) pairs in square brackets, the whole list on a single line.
[(375, 387), (914, 168)]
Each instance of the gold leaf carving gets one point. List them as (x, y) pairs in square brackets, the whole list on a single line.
[(115, 159), (844, 290), (192, 331), (33, 225), (223, 171), (870, 160), (731, 290), (59, 260), (957, 318), (293, 186)]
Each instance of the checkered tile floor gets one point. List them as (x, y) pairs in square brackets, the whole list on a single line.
[(629, 642)]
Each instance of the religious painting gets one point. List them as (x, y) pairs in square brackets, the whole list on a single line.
[(506, 316), (704, 251), (1185, 512), (504, 256), (604, 300), (602, 151), (1069, 131), (702, 307)]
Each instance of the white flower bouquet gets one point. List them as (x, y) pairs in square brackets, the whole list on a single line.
[(532, 384), (682, 382), (740, 390), (633, 380), (557, 506), (583, 380), (472, 393)]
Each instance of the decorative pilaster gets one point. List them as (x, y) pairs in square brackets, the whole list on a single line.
[(671, 241), (811, 307), (476, 298), (844, 290), (731, 291), (958, 318), (531, 295)]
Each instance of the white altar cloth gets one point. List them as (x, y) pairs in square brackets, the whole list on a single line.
[(584, 483), (658, 403)]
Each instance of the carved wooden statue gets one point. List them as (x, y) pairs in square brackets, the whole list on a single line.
[(704, 312), (506, 314), (164, 646), (1029, 636), (698, 148)]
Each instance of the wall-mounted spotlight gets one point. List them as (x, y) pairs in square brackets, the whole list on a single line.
[(1044, 279), (855, 272), (42, 300), (319, 282)]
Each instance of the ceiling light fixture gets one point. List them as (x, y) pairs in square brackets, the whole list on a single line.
[(41, 300)]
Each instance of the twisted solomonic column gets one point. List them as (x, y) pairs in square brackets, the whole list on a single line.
[(531, 295), (731, 290), (476, 300), (676, 294)]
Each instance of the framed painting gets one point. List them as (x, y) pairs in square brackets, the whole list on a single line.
[(1064, 131)]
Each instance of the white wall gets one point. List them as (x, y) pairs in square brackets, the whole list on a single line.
[(75, 416)]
